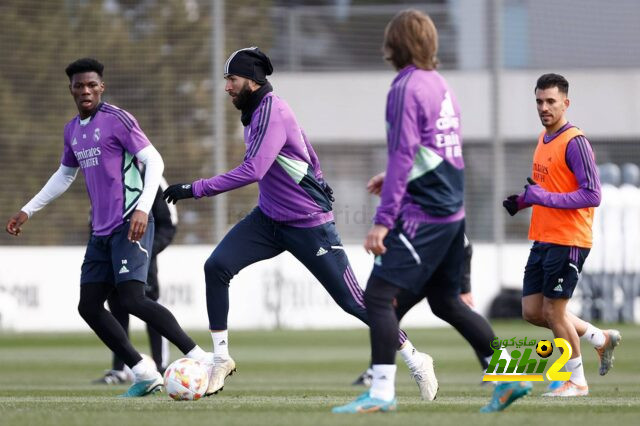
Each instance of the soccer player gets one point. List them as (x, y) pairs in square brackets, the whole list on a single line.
[(456, 311), (107, 143), (564, 192), (294, 213), (165, 218), (418, 232)]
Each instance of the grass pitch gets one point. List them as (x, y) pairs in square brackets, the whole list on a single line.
[(294, 378)]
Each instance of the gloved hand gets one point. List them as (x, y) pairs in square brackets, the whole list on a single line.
[(511, 204), (328, 190), (514, 203), (178, 191)]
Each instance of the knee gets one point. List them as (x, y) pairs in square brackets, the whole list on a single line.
[(445, 307), (551, 313), (216, 266), (132, 303), (532, 315), (87, 309), (374, 299)]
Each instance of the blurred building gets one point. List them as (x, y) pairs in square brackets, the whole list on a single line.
[(160, 56)]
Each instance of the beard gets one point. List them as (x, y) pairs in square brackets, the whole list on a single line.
[(242, 98)]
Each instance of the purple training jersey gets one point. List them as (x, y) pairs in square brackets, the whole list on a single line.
[(103, 146), (284, 164), (424, 181)]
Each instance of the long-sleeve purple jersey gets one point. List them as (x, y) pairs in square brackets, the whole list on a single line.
[(424, 181), (284, 164), (580, 159)]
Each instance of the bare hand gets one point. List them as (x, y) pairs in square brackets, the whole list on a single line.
[(467, 299), (374, 186), (14, 225), (375, 237), (137, 225)]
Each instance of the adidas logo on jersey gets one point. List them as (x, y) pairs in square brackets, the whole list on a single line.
[(557, 288), (321, 251)]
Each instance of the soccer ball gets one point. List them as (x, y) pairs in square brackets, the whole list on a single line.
[(186, 380), (544, 348)]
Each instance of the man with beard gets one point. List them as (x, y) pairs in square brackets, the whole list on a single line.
[(294, 213), (563, 194)]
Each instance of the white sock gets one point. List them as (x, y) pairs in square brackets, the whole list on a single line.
[(143, 371), (198, 354), (594, 335), (220, 345), (408, 354), (383, 384), (574, 366), (503, 355)]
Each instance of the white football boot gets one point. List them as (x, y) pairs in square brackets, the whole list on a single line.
[(425, 377), (220, 371)]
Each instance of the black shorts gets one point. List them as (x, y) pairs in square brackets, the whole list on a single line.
[(433, 257), (113, 258), (553, 270)]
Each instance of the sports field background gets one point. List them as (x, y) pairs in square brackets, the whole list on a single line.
[(163, 64), (294, 378)]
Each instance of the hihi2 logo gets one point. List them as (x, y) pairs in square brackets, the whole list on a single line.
[(522, 366)]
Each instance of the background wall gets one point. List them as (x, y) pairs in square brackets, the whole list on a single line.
[(278, 293)]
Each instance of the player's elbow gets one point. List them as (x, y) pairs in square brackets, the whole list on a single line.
[(596, 197), (254, 173), (259, 175)]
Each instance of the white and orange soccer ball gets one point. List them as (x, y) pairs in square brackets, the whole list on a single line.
[(186, 380)]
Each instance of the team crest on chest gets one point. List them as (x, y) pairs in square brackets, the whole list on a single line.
[(96, 134)]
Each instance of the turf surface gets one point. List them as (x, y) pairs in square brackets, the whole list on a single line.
[(294, 378)]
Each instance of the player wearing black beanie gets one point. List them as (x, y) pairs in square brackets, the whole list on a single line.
[(249, 62)]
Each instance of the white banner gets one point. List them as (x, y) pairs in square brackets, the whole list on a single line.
[(39, 289)]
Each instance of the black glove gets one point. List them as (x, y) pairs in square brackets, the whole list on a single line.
[(511, 204), (176, 192), (327, 190)]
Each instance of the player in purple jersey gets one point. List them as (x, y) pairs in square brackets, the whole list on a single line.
[(294, 213), (418, 232), (107, 143)]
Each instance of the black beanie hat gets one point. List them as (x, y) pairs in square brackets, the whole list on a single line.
[(249, 62)]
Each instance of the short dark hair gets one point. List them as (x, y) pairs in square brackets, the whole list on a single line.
[(547, 81), (84, 65)]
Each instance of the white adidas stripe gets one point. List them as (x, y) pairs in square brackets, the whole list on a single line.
[(226, 64)]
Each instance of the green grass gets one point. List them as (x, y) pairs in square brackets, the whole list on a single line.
[(294, 378)]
